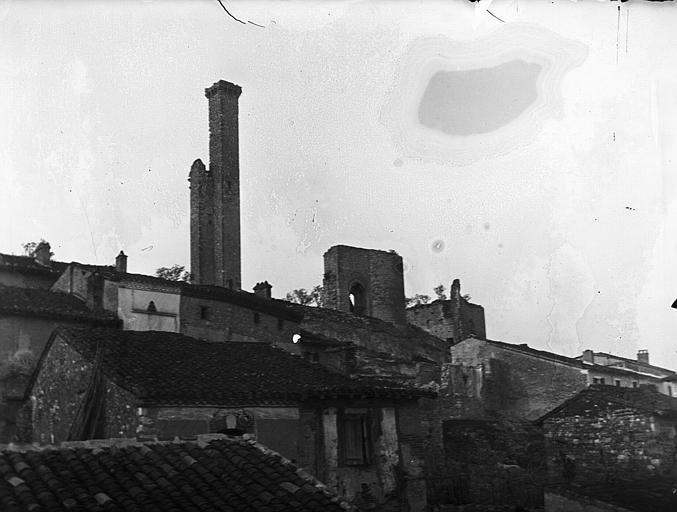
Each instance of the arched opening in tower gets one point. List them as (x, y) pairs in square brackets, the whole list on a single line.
[(358, 299)]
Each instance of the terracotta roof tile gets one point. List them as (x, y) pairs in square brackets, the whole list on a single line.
[(43, 303), (173, 369), (218, 474)]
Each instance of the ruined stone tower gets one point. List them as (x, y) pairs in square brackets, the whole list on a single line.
[(215, 195), (366, 282)]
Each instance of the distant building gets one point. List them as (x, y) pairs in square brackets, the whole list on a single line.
[(36, 271), (453, 320)]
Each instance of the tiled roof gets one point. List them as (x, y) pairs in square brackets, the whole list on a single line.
[(19, 301), (163, 368), (28, 264), (215, 473), (629, 360), (604, 396), (318, 316)]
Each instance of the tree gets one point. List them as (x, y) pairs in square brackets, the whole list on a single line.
[(440, 292), (416, 300), (173, 273), (305, 297), (29, 247)]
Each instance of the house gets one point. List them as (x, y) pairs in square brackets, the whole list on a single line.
[(27, 318), (606, 433), (104, 383), (212, 473), (521, 381), (35, 271), (625, 372)]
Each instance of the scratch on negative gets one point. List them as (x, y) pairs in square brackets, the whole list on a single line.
[(227, 12), (499, 19)]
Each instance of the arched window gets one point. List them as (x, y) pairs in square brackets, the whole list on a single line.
[(151, 307), (358, 299)]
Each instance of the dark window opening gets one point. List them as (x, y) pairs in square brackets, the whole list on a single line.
[(595, 380), (354, 439), (257, 318), (204, 312), (618, 383), (634, 383), (670, 390), (601, 380), (151, 307), (358, 299)]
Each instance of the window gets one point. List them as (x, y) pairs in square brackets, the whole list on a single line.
[(257, 318), (634, 383), (618, 383), (670, 390), (595, 380), (601, 380), (151, 307), (280, 324), (358, 299), (354, 445), (204, 312)]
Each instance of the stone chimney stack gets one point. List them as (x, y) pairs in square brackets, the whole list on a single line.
[(121, 262), (643, 356), (589, 356), (215, 195), (43, 253), (263, 290)]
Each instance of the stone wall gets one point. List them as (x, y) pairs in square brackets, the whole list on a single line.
[(491, 462), (225, 321), (379, 273), (603, 444), (58, 393), (511, 381)]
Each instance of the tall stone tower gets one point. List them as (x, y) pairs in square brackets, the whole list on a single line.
[(215, 195), (366, 282)]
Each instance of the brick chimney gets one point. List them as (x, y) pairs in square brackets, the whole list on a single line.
[(263, 290), (43, 253), (121, 262), (588, 356), (643, 356)]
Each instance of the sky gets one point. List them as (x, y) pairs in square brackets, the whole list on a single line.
[(526, 148)]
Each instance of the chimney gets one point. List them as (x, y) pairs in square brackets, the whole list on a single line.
[(121, 262), (263, 290), (588, 356), (42, 253), (643, 356)]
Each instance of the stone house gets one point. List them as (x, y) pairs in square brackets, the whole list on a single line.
[(104, 383), (27, 318), (606, 433), (517, 380), (37, 271), (212, 473)]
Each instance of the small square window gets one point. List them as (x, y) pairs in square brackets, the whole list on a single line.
[(595, 380), (601, 380), (618, 383), (205, 313), (634, 383)]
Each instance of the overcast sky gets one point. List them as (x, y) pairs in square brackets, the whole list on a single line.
[(533, 157)]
